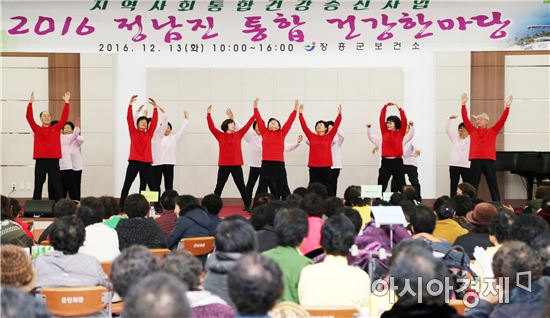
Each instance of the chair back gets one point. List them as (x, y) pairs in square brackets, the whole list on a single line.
[(76, 301), (106, 266), (45, 243), (198, 245), (331, 312), (159, 252)]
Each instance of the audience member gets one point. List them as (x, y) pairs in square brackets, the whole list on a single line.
[(446, 227), (166, 221), (17, 269), (261, 199), (313, 204), (527, 227), (132, 265), (101, 241), (15, 211), (294, 200), (17, 304), (61, 208), (317, 188), (12, 233), (301, 191), (544, 211), (213, 205), (112, 211), (480, 217), (467, 189), (193, 220), (291, 227), (267, 238), (542, 245), (352, 198), (463, 204), (332, 205)]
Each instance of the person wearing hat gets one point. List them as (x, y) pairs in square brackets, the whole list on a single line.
[(480, 217), (17, 270)]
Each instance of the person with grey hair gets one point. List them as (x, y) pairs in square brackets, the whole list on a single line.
[(518, 270), (483, 146), (413, 268)]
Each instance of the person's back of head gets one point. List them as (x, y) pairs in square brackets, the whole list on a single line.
[(396, 198), (257, 217), (380, 202), (212, 203), (291, 227), (514, 258), (409, 247), (184, 266), (235, 235), (6, 211), (294, 200), (337, 235), (15, 208), (16, 303), (501, 224), (354, 216), (136, 206), (413, 270), (542, 245), (262, 198), (527, 227), (410, 193), (185, 203), (271, 209), (542, 192), (110, 206), (352, 195), (463, 204), (17, 270), (134, 263), (67, 234), (318, 188), (467, 189), (408, 207), (301, 191), (255, 284), (157, 295), (422, 220), (313, 204), (168, 200), (444, 208), (91, 211), (332, 205), (64, 207)]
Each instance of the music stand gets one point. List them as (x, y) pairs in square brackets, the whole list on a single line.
[(389, 215)]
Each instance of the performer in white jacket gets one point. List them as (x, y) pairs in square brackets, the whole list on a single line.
[(459, 166)]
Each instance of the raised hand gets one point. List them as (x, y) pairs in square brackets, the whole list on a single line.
[(417, 153), (396, 105), (368, 125), (300, 138), (185, 114), (229, 113), (161, 109), (411, 123), (140, 108), (464, 98), (31, 100), (340, 109), (374, 150), (67, 97), (301, 108), (133, 99), (209, 109), (509, 101), (152, 102), (452, 117), (296, 104), (77, 122), (256, 100)]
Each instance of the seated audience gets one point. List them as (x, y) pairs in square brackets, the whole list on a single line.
[(291, 229), (295, 200), (17, 270), (468, 190), (410, 262), (480, 217), (352, 198), (301, 191), (193, 220), (213, 205), (132, 265), (12, 233), (542, 193), (255, 284), (313, 204), (101, 241), (112, 211), (317, 188), (61, 208), (446, 227), (188, 269), (65, 266), (235, 237), (510, 261), (527, 227), (157, 295), (137, 229), (328, 283), (166, 221), (463, 204), (544, 211), (542, 245), (261, 199), (332, 205), (15, 211), (267, 238), (19, 304)]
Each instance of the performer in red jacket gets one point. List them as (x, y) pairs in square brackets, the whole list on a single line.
[(230, 159), (140, 158), (320, 149), (273, 172), (483, 141), (393, 130), (47, 148)]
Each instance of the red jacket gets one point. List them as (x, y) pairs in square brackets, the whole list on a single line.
[(392, 140), (47, 140), (140, 141), (273, 142), (483, 141), (320, 147), (230, 153)]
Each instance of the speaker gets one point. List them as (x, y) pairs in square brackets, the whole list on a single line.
[(39, 208)]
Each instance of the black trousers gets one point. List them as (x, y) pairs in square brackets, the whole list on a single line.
[(145, 172), (237, 174), (253, 176), (47, 167), (455, 173), (77, 182), (334, 174), (273, 176), (412, 173), (321, 175), (168, 172), (392, 168), (487, 167)]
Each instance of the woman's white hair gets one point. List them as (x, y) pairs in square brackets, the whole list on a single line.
[(484, 116)]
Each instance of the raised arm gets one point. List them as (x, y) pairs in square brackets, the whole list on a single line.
[(290, 147), (375, 140), (241, 132), (340, 136), (129, 114), (217, 133), (29, 114), (154, 120), (452, 133), (404, 121), (303, 123), (383, 127), (137, 113), (290, 120), (65, 113), (337, 123), (464, 112), (75, 134), (183, 128), (259, 121), (500, 123), (410, 135)]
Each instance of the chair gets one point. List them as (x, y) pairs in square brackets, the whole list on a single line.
[(76, 301), (198, 245), (45, 243), (106, 266), (117, 308), (458, 305), (333, 312), (159, 252)]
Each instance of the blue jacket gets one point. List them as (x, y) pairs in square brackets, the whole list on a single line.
[(193, 222)]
